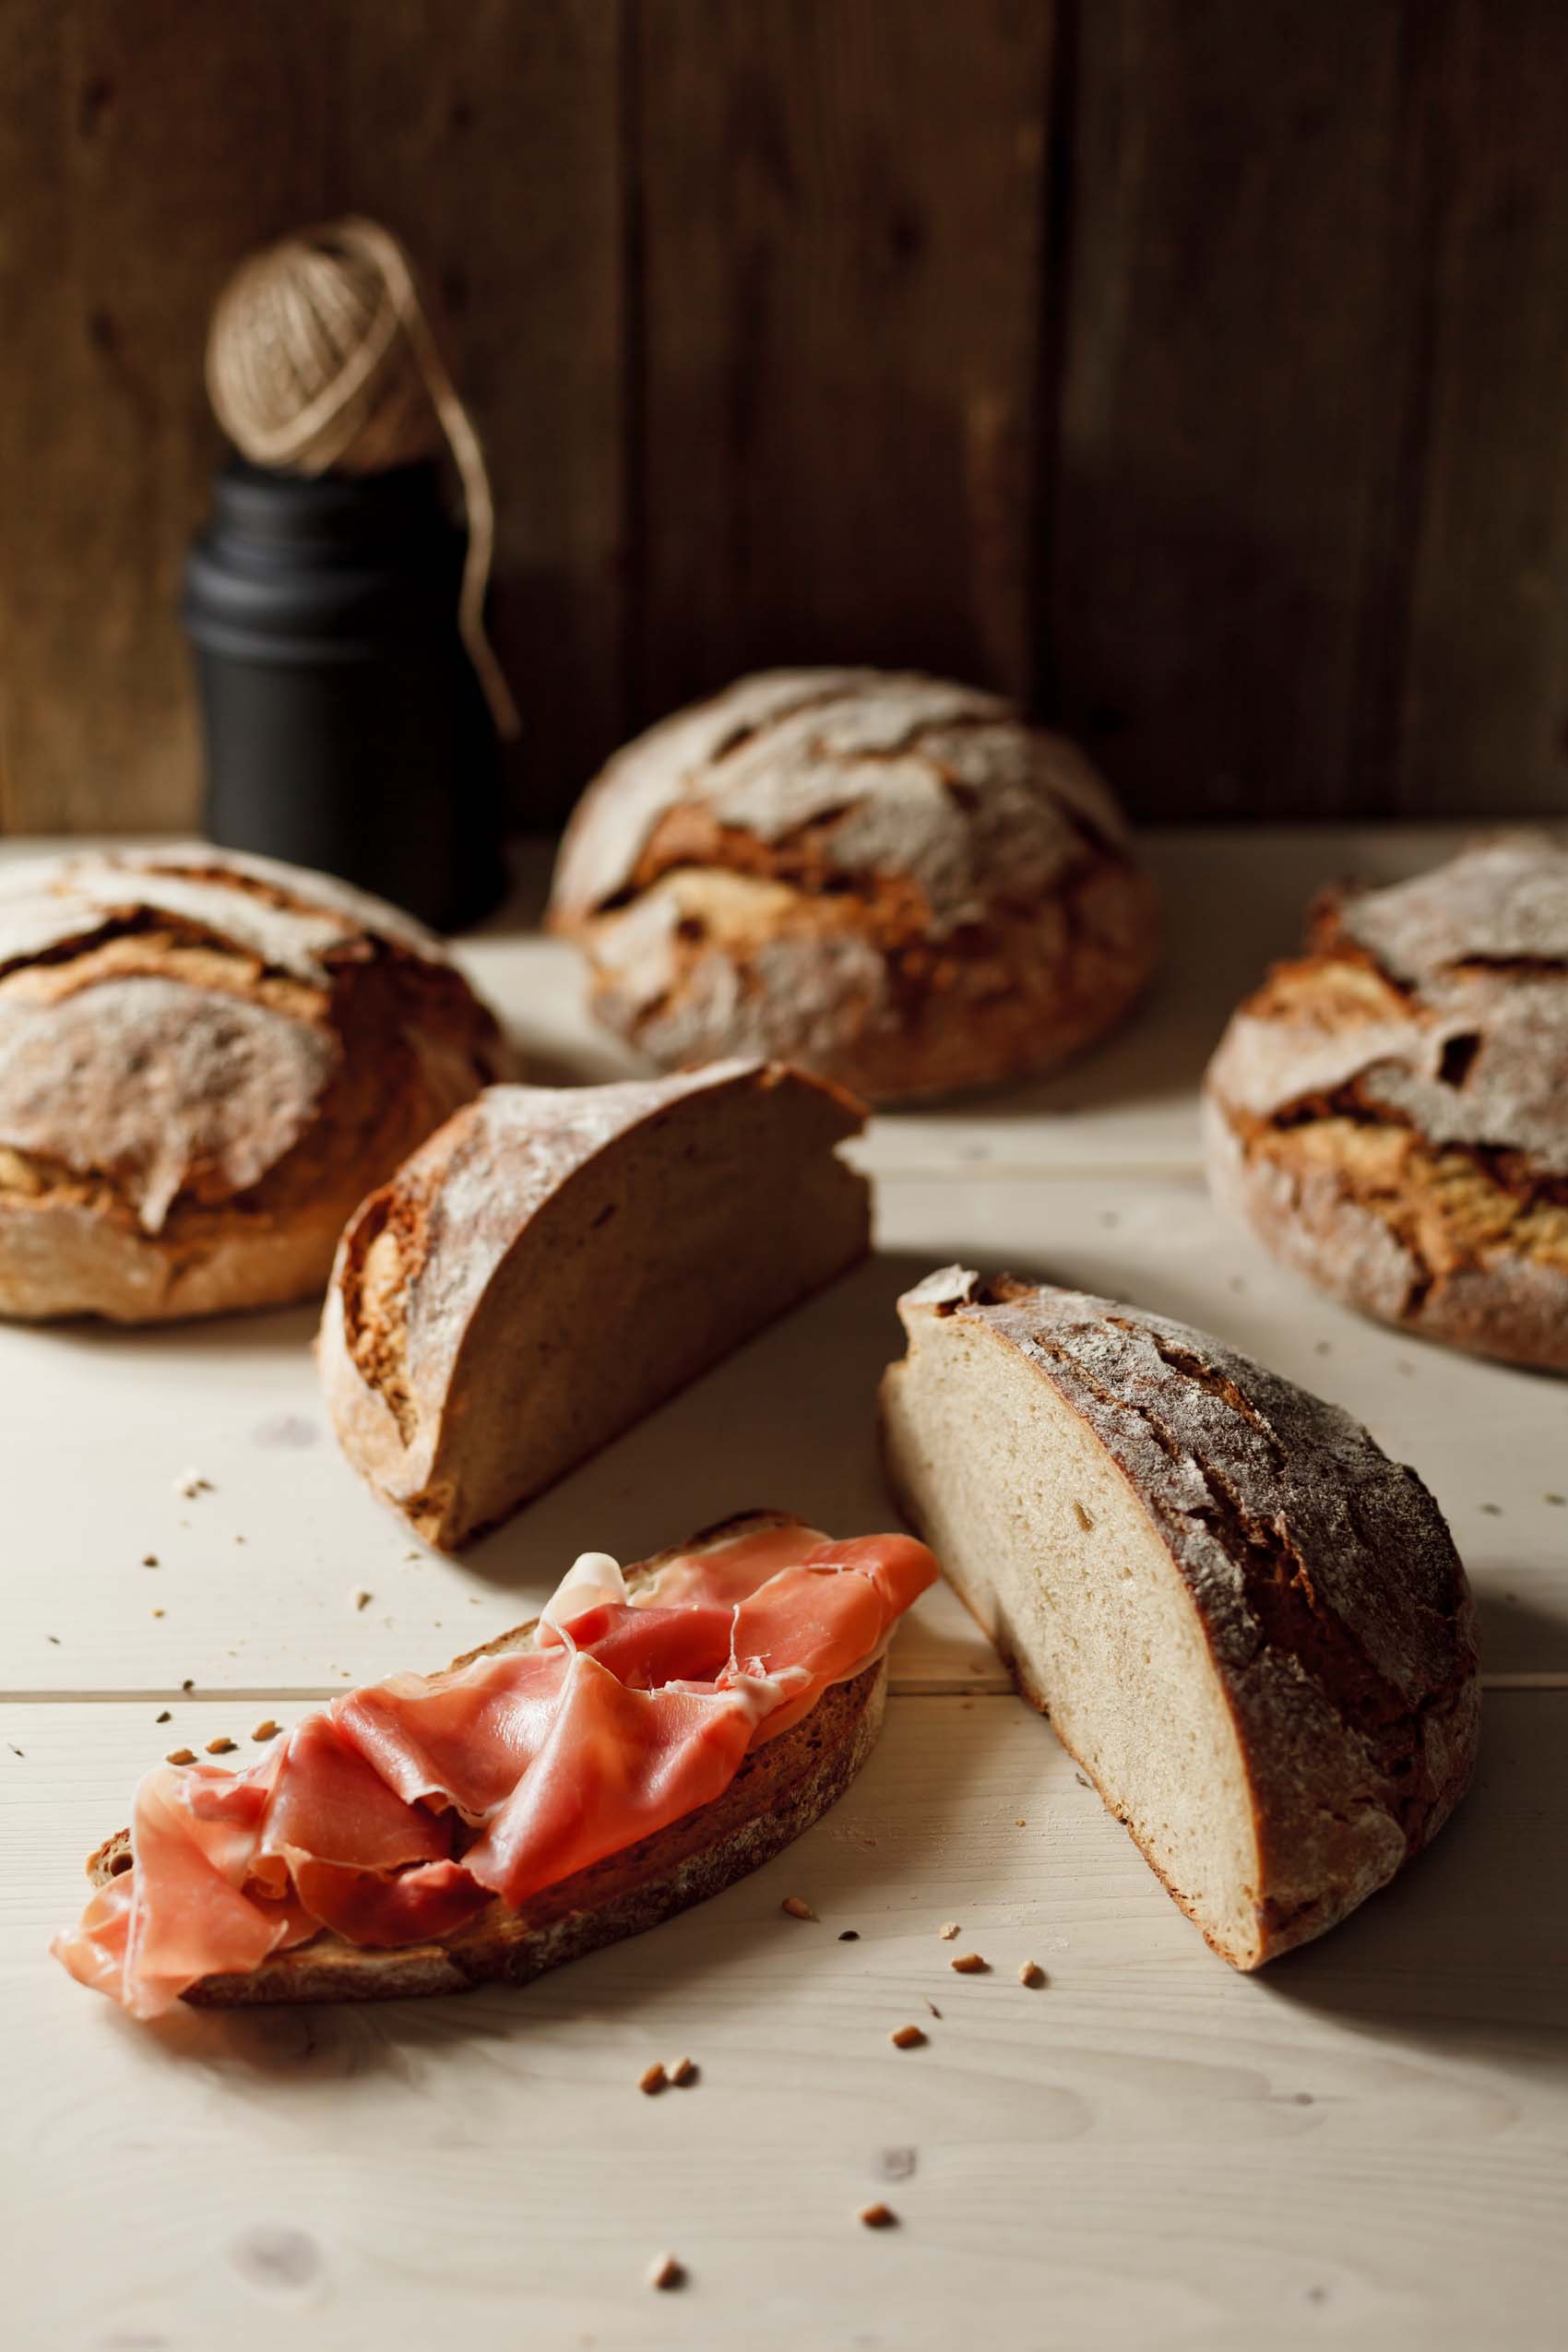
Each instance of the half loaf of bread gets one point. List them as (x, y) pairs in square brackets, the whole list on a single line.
[(783, 1786), (1246, 1622), (551, 1265)]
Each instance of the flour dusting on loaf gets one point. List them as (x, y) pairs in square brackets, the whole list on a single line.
[(889, 878), (205, 1061), (1390, 1110)]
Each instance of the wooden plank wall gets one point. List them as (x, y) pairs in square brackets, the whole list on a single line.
[(1195, 369)]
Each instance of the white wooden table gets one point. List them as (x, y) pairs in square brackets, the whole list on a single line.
[(1366, 2146)]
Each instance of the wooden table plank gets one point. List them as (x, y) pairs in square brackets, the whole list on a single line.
[(258, 1577), (1365, 2140)]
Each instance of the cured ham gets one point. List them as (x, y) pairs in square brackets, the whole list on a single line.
[(400, 1812)]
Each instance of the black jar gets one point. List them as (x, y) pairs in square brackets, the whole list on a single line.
[(345, 725)]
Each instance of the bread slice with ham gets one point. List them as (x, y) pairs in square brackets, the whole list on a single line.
[(645, 1742), (554, 1264), (1246, 1622)]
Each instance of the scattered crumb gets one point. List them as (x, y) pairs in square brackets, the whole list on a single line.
[(1493, 1510), (360, 1599), (150, 1559), (52, 1637), (179, 1755), (189, 1683), (848, 1935), (878, 2216), (160, 1612), (222, 1746), (239, 1539), (1081, 1781), (947, 1931), (908, 2037), (932, 2007), (190, 1483), (665, 2270), (1019, 1823), (797, 1907), (970, 1964), (16, 1751), (266, 1729), (683, 2072), (167, 1716), (653, 2078), (413, 1555), (1030, 1973), (898, 2164), (1555, 1498)]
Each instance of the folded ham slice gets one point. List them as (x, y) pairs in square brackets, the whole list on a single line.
[(399, 1812)]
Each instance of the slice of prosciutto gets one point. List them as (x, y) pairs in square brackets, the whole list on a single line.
[(400, 1810)]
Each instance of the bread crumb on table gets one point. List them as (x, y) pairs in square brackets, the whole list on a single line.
[(878, 2216), (652, 2078), (970, 1964), (179, 1755), (947, 1931), (907, 2037), (797, 1907), (222, 1746), (665, 2270), (150, 1559), (684, 2071), (167, 1716), (190, 1483), (266, 1729), (360, 1597), (1030, 1973)]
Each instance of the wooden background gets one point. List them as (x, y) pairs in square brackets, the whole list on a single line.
[(1196, 369)]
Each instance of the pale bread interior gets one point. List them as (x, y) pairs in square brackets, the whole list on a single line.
[(1046, 1542)]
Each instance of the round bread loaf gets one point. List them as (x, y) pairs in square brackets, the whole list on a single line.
[(1390, 1111), (888, 879), (205, 1062)]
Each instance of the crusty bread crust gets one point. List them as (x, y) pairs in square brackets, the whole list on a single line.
[(526, 1216), (781, 1790), (1389, 1111), (886, 878), (290, 1041), (1332, 1605)]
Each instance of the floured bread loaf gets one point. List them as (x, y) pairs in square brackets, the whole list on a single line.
[(205, 1061), (1390, 1111), (554, 1264), (884, 878), (1247, 1624)]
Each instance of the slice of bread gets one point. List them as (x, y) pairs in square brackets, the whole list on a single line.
[(552, 1265), (1246, 1624), (781, 1790)]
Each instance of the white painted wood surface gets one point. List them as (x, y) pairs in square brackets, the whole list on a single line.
[(1368, 2145)]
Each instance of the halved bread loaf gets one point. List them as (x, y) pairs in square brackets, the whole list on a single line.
[(781, 1789), (551, 1265), (1248, 1624)]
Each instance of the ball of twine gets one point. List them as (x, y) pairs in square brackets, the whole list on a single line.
[(321, 359)]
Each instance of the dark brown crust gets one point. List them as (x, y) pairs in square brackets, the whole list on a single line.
[(1329, 1594), (1389, 1111), (404, 1040), (781, 1790), (906, 942)]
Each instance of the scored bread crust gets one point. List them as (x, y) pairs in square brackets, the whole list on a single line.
[(1389, 1111), (781, 1789), (205, 1061), (883, 877), (1332, 1606), (417, 1328)]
